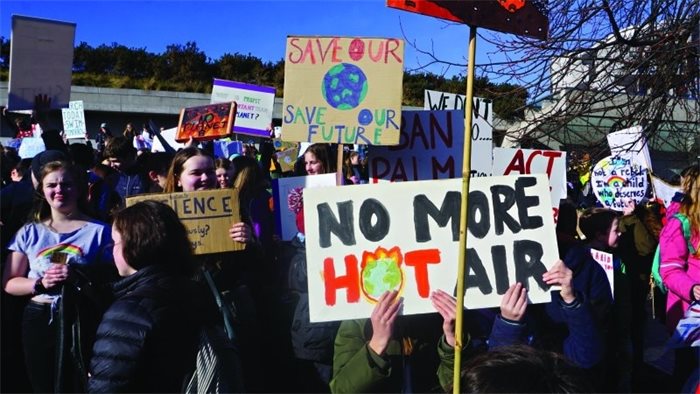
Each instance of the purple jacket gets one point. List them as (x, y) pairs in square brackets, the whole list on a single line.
[(679, 270)]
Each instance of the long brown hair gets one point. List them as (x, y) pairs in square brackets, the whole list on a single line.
[(177, 165), (42, 209)]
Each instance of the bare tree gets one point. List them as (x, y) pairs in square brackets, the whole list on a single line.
[(605, 66)]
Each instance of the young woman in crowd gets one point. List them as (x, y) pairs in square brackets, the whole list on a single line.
[(147, 340), (46, 254), (224, 172), (680, 265)]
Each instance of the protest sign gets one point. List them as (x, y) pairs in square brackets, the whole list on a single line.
[(687, 332), (206, 122), (254, 105), (227, 148), (41, 62), (169, 136), (285, 218), (343, 90), (508, 161), (363, 240), (527, 18), (287, 158), (30, 147), (74, 120), (664, 191), (605, 260), (617, 180), (631, 144), (430, 147), (207, 215)]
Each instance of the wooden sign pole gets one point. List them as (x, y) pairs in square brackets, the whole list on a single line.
[(466, 173)]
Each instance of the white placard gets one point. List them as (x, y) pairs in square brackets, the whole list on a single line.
[(74, 120), (30, 147), (254, 105), (617, 180), (606, 261), (630, 143), (169, 137), (362, 240), (41, 62)]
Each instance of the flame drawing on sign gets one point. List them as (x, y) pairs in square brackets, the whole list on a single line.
[(381, 272)]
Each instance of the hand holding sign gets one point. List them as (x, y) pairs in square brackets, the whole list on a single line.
[(383, 319), (561, 275), (514, 302), (240, 232), (446, 305)]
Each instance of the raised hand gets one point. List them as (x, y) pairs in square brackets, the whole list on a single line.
[(514, 302), (446, 306), (383, 319)]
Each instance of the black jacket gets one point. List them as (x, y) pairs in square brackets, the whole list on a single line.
[(147, 340)]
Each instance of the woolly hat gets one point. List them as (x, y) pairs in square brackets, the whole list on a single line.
[(44, 157)]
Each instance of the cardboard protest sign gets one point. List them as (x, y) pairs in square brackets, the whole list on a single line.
[(430, 147), (30, 147), (206, 122), (206, 214), (526, 18), (508, 161), (343, 90), (287, 158), (616, 180), (74, 120), (605, 260), (285, 218), (254, 105), (41, 62), (363, 240), (630, 144)]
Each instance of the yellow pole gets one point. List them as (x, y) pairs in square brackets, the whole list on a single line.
[(466, 173)]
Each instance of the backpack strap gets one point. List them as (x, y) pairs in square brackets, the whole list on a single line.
[(685, 223)]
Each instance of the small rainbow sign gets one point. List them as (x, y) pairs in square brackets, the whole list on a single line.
[(616, 181)]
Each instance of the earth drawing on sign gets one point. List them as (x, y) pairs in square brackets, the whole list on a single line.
[(344, 86)]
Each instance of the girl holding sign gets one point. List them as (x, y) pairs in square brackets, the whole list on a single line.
[(46, 259)]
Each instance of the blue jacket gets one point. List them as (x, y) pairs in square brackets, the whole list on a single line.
[(578, 330)]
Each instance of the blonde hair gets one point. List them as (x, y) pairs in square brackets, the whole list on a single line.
[(690, 206)]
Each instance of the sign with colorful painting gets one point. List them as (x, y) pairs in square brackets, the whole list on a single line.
[(508, 161), (74, 120), (343, 90), (206, 214), (617, 180), (521, 17), (363, 240), (605, 260), (206, 122), (254, 105), (287, 195)]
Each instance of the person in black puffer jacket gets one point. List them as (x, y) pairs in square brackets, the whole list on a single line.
[(147, 340)]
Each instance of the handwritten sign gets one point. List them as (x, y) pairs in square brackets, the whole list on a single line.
[(30, 147), (508, 161), (74, 120), (430, 147), (254, 105), (207, 215), (285, 218), (606, 261), (343, 90), (206, 122), (663, 191), (617, 180), (363, 240), (630, 144), (41, 62)]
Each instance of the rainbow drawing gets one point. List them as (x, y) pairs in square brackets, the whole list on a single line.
[(70, 249), (616, 181)]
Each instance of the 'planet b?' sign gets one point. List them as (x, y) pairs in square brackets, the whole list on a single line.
[(618, 180), (207, 215), (343, 90), (364, 240)]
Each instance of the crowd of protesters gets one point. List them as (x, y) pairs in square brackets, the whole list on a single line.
[(103, 298)]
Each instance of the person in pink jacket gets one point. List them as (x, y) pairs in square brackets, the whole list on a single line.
[(680, 271), (679, 268)]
